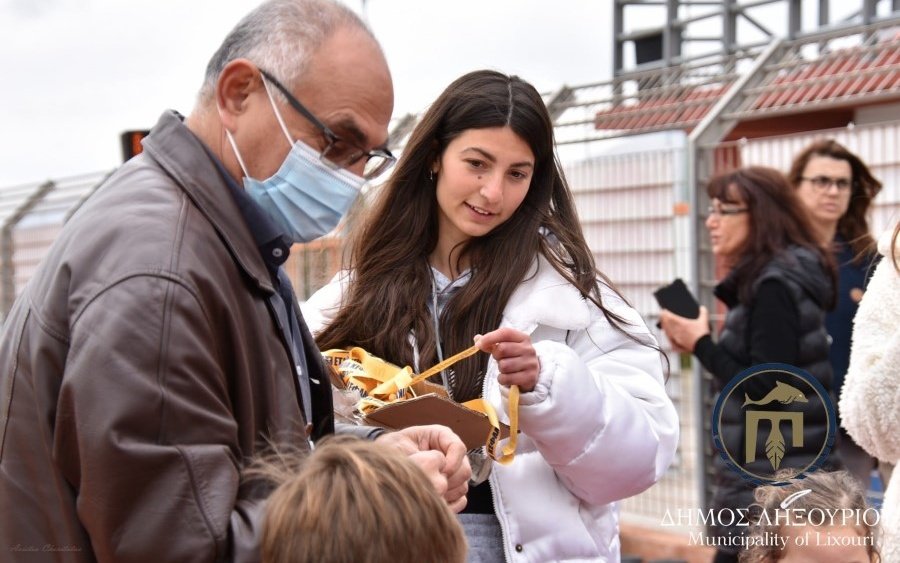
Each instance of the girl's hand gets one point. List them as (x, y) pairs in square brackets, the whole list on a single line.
[(682, 332), (516, 358)]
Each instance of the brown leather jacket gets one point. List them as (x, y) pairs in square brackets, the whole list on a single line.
[(139, 370)]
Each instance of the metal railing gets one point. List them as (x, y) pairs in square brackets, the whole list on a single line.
[(31, 215)]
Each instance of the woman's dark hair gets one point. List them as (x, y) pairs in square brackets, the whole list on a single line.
[(391, 285), (853, 225), (777, 220)]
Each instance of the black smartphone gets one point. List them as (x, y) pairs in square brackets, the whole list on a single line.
[(676, 297)]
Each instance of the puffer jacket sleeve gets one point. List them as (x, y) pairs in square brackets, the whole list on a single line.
[(144, 429), (600, 415), (871, 391)]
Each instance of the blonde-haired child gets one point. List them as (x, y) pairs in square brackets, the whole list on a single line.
[(352, 501), (823, 518)]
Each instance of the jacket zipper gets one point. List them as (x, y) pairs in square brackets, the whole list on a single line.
[(449, 377), (492, 483), (492, 479)]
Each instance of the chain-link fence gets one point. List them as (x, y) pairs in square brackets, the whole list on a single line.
[(31, 215)]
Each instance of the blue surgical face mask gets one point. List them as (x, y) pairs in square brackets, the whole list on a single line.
[(305, 197)]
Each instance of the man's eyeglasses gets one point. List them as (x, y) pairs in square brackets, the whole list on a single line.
[(823, 183), (339, 153), (713, 210)]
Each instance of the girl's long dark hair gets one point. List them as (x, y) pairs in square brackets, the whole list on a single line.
[(853, 225), (386, 301), (777, 221)]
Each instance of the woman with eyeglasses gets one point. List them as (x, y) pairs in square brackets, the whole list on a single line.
[(837, 189), (779, 284), (475, 233)]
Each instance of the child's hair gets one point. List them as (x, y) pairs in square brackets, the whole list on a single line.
[(352, 501), (829, 491)]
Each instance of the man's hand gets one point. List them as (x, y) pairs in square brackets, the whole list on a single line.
[(440, 454)]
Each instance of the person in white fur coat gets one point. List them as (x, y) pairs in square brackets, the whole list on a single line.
[(871, 394)]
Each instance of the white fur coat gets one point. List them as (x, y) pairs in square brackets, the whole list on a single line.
[(870, 400)]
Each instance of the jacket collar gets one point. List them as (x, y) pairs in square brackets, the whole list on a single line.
[(185, 158), (546, 298), (795, 263)]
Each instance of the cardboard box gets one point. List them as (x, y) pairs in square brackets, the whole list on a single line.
[(432, 406)]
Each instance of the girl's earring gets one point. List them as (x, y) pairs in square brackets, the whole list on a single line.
[(431, 175)]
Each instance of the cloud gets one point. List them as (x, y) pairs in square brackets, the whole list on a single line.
[(82, 71), (28, 8)]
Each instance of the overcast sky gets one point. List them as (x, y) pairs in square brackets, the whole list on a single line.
[(79, 72)]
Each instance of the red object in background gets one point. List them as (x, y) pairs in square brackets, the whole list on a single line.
[(843, 73), (131, 143)]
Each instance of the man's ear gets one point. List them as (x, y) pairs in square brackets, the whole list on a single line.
[(236, 82)]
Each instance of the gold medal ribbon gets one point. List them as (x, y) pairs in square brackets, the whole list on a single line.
[(381, 383)]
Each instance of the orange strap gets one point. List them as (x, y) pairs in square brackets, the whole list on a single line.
[(381, 383)]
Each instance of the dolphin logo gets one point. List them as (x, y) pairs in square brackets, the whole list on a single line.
[(783, 393)]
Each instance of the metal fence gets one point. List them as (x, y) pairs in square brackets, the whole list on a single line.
[(31, 215), (627, 207)]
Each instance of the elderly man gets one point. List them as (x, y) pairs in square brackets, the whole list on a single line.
[(159, 346)]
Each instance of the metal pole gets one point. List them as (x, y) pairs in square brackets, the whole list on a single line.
[(7, 245), (729, 27), (692, 154), (618, 22), (671, 33), (795, 19), (869, 11), (824, 16), (708, 133), (365, 11), (7, 270)]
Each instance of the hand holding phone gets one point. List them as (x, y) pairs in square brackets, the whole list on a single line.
[(677, 298), (683, 320)]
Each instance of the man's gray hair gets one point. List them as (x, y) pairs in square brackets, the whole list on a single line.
[(278, 36)]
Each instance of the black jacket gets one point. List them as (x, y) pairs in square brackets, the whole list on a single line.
[(802, 289)]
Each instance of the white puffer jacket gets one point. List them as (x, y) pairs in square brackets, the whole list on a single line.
[(871, 392), (597, 428)]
